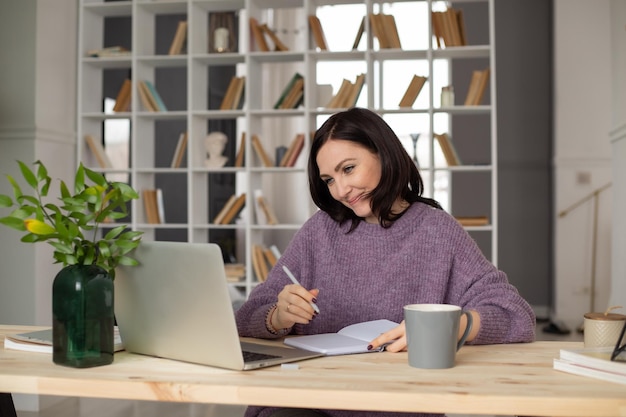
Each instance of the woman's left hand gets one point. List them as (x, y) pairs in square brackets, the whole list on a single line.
[(394, 339)]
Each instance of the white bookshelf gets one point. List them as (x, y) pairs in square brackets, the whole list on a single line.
[(266, 74)]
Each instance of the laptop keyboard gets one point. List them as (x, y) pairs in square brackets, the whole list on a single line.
[(255, 356)]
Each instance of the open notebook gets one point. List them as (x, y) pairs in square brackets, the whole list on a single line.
[(176, 305)]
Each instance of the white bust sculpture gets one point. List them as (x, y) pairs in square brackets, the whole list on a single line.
[(214, 143)]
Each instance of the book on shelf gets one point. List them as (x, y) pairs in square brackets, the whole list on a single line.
[(179, 152), (178, 42), (234, 93), (449, 27), (473, 220), (347, 94), (295, 96), (477, 86), (293, 91), (293, 151), (354, 338), (391, 31), (108, 51), (153, 206), (155, 97), (235, 272), (593, 363), (231, 209), (41, 341), (278, 44), (260, 151), (384, 29), (263, 260), (122, 100), (359, 34), (257, 34), (264, 212), (412, 91), (241, 152), (318, 33), (448, 150), (220, 215), (97, 149), (150, 98), (355, 91)]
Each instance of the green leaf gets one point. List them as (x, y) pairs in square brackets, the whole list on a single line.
[(31, 238), (27, 198), (65, 193), (96, 178), (13, 222), (45, 187), (17, 191), (42, 172), (23, 212), (104, 249), (5, 201), (128, 261), (62, 247), (115, 232), (79, 179), (28, 175)]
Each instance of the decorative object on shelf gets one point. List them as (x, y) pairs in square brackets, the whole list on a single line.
[(414, 138), (83, 298), (223, 32), (214, 143), (220, 40), (447, 96)]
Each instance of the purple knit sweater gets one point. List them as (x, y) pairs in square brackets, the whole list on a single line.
[(372, 272)]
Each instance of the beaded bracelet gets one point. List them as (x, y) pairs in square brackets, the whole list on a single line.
[(268, 322)]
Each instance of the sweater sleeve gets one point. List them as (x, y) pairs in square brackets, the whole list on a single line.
[(476, 284)]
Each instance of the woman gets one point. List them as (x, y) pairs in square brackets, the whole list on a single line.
[(376, 245)]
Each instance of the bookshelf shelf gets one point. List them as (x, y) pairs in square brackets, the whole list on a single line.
[(192, 85)]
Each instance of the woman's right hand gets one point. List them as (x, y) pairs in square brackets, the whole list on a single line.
[(294, 306)]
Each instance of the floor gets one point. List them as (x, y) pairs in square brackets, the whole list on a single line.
[(74, 407)]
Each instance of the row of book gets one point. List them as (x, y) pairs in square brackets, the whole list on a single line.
[(263, 211), (288, 158), (233, 98), (348, 93), (263, 260), (261, 32), (150, 97), (449, 28), (292, 95)]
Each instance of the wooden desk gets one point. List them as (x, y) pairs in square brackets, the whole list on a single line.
[(497, 379)]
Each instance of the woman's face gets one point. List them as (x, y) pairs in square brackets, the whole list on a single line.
[(351, 172)]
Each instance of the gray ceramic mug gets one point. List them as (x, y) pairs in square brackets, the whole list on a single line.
[(431, 333)]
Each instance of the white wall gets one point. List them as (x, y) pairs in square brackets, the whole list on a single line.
[(582, 162), (37, 121)]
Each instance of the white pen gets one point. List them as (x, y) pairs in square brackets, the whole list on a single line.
[(295, 281)]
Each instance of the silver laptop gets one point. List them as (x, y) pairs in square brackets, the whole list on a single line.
[(176, 305)]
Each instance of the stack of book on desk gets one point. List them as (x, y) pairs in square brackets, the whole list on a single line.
[(592, 362)]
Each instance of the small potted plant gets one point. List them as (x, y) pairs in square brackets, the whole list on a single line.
[(82, 303)]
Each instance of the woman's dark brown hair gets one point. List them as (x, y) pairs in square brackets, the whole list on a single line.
[(399, 175)]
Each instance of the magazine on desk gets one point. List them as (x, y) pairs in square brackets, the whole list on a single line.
[(592, 362), (41, 341), (351, 339)]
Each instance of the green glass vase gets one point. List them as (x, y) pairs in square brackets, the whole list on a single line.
[(82, 317)]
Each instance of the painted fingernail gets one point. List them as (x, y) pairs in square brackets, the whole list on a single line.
[(315, 300), (370, 347)]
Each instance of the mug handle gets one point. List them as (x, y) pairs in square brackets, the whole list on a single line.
[(468, 329)]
